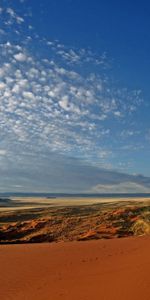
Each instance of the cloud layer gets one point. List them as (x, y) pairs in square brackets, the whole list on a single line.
[(58, 100)]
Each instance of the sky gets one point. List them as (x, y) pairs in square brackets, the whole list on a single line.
[(74, 96)]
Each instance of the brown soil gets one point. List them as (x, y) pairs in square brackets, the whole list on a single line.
[(106, 269)]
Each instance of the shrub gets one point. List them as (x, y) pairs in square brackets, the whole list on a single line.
[(141, 227)]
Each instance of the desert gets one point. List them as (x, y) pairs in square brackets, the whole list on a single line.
[(105, 269), (93, 248), (32, 220)]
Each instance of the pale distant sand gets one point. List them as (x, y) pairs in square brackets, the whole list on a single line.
[(33, 202), (115, 269)]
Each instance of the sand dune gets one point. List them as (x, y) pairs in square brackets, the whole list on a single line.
[(115, 269)]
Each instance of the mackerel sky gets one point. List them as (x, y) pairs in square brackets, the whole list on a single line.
[(74, 96)]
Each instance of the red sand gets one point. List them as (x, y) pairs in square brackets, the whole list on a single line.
[(117, 269)]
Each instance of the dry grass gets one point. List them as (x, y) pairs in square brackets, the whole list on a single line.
[(141, 227)]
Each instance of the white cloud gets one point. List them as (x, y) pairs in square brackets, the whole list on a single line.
[(2, 85), (13, 16), (21, 57), (16, 89), (123, 187), (49, 103), (117, 113), (64, 103), (19, 19), (3, 152), (11, 12), (28, 95)]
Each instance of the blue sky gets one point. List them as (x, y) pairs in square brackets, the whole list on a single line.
[(74, 94)]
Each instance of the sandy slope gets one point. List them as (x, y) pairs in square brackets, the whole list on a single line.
[(115, 269)]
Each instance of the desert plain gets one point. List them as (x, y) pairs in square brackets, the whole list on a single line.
[(91, 249)]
